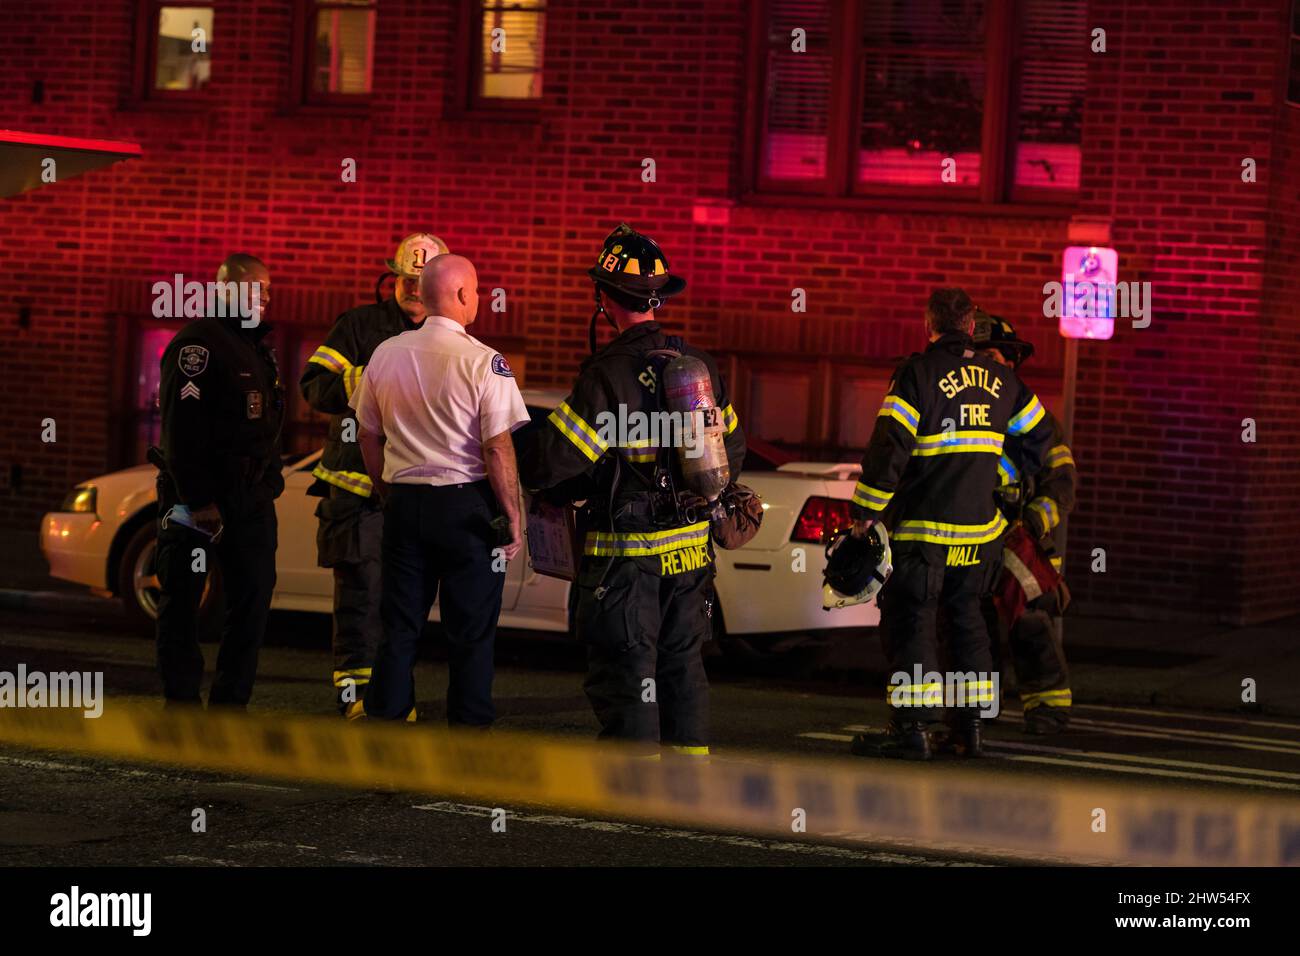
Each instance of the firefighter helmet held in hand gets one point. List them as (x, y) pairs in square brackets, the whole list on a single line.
[(856, 568)]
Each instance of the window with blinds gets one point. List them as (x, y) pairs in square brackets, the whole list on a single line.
[(797, 101), (1052, 75), (975, 99), (510, 45), (342, 49)]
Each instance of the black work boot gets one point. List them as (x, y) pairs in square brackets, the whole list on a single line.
[(966, 738), (1044, 721), (903, 740)]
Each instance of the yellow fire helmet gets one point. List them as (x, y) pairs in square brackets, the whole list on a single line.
[(414, 252)]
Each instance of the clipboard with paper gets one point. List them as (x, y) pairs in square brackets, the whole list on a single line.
[(552, 533)]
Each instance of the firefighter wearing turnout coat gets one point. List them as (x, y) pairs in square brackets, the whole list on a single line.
[(644, 594), (930, 471), (350, 534), (1030, 598)]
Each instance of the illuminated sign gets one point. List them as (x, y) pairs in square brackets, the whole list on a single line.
[(1087, 295)]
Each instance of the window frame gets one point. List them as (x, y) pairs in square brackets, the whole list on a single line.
[(468, 63), (996, 193), (147, 16), (303, 59)]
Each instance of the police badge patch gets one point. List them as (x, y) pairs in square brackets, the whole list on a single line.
[(501, 366), (253, 404), (193, 359)]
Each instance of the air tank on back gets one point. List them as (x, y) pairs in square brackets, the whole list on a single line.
[(688, 389)]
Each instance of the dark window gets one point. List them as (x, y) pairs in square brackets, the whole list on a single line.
[(1293, 78), (981, 98)]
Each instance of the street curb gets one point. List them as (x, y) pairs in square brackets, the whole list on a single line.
[(15, 599)]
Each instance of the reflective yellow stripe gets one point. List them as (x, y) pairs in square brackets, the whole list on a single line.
[(352, 378), (352, 481), (915, 695), (641, 544), (901, 412), (1059, 456), (573, 427), (1028, 417), (945, 443), (640, 455), (1046, 508), (729, 418), (354, 677), (1057, 560), (690, 751), (330, 359), (938, 532), (1050, 698), (1007, 470), (874, 499)]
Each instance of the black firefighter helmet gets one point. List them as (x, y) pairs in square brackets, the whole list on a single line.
[(856, 568), (633, 271), (995, 332)]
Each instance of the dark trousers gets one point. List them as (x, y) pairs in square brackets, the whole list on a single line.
[(438, 536), (245, 554), (645, 676), (921, 585), (349, 541), (1042, 676)]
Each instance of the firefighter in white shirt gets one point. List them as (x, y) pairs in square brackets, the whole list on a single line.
[(436, 408)]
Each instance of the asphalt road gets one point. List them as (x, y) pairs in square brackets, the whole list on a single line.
[(73, 810)]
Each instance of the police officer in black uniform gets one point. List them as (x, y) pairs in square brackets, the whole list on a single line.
[(222, 411), (349, 538), (645, 586), (929, 472)]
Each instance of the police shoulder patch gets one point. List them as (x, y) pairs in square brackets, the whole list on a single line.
[(501, 366), (193, 359)]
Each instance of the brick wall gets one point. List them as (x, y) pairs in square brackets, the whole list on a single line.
[(1185, 92)]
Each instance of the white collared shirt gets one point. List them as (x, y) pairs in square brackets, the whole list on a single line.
[(436, 393)]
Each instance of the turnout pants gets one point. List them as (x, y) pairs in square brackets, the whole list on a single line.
[(349, 541), (645, 675), (1042, 676), (438, 537), (245, 554), (922, 584)]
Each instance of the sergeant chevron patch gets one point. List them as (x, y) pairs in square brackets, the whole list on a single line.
[(189, 390)]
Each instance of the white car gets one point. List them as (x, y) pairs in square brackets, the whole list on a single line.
[(769, 592)]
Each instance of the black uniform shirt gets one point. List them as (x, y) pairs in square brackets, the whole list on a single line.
[(332, 375), (222, 412)]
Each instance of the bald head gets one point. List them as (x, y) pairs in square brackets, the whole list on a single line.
[(241, 267), (449, 286)]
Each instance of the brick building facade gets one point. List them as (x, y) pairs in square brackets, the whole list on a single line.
[(1193, 521)]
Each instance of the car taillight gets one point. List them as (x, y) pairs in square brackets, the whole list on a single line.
[(821, 518)]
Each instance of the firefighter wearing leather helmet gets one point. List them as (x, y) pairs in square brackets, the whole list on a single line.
[(644, 591), (349, 537), (1030, 598), (929, 473)]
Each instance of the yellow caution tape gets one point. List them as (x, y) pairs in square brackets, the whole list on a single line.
[(943, 807)]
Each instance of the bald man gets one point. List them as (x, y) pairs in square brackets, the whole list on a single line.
[(436, 408), (222, 411)]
